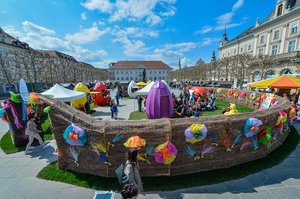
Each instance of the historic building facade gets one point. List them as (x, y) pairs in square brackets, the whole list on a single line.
[(139, 71), (40, 67), (276, 37)]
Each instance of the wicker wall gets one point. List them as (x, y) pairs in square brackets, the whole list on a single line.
[(156, 132)]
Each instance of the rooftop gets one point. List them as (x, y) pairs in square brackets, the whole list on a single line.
[(140, 64)]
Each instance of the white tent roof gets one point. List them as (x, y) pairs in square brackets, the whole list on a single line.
[(144, 91), (63, 94)]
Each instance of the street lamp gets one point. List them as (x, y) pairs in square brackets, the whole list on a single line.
[(213, 60)]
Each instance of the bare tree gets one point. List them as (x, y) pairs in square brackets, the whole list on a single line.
[(8, 71)]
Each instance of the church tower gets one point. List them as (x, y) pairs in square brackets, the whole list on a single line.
[(224, 39)]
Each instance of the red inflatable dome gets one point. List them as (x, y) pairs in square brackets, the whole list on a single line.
[(199, 91), (102, 98)]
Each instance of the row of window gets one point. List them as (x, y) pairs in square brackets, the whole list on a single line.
[(136, 78), (276, 34), (139, 72), (275, 48)]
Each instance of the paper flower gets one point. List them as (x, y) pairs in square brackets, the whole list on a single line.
[(75, 135), (243, 94), (251, 127), (265, 135), (165, 153), (135, 142), (282, 118), (195, 133)]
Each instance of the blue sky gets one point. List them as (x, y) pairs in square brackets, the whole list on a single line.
[(104, 31)]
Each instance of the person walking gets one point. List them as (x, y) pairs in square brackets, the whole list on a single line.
[(118, 95), (132, 169), (32, 132)]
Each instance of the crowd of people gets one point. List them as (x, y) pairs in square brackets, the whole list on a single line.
[(190, 105)]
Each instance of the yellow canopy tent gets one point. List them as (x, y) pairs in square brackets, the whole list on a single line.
[(282, 82), (141, 84), (80, 87), (148, 82)]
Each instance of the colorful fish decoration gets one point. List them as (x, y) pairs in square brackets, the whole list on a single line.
[(207, 150), (245, 145), (236, 140), (74, 154)]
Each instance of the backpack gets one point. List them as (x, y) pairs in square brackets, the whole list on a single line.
[(122, 178)]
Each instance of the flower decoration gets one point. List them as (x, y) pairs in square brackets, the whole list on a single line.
[(251, 127), (135, 142), (219, 90), (236, 94), (243, 94), (282, 118), (265, 135), (75, 135), (165, 153), (195, 133), (230, 92)]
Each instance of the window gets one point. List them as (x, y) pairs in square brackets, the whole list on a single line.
[(292, 45), (262, 39), (122, 72), (260, 52), (242, 49), (249, 47), (117, 72), (294, 29), (279, 10), (117, 78), (276, 34), (274, 49), (150, 72)]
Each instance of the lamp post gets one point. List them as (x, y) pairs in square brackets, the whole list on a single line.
[(213, 60)]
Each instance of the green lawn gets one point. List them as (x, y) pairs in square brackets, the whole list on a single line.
[(8, 147), (52, 172), (221, 105), (136, 115)]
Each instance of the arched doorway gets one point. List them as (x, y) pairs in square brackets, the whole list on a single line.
[(286, 71), (269, 74), (256, 76)]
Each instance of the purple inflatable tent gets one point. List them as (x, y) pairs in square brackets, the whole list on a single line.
[(159, 101)]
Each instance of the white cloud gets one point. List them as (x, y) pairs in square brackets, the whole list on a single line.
[(31, 27), (41, 41), (102, 5), (204, 29), (85, 54), (133, 10), (171, 11), (87, 35), (171, 52), (224, 20), (37, 36), (130, 37), (238, 5), (83, 16)]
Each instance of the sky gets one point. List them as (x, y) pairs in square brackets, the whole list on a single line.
[(103, 31)]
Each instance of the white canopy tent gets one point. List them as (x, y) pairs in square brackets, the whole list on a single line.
[(63, 94), (131, 85), (146, 89)]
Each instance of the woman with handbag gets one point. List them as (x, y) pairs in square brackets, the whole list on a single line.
[(132, 169)]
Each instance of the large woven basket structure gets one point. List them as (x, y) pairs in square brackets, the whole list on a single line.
[(156, 132)]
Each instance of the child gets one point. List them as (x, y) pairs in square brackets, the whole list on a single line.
[(114, 111)]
